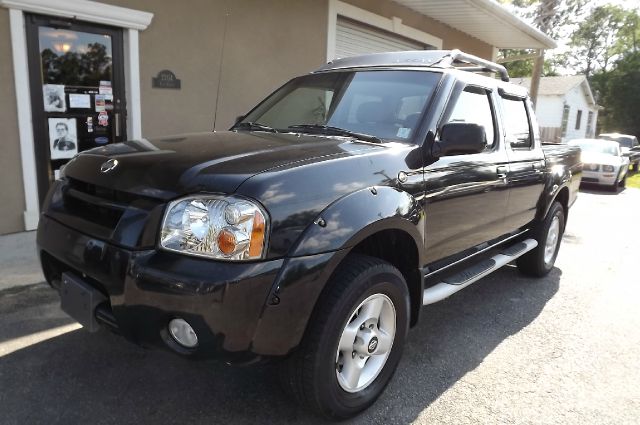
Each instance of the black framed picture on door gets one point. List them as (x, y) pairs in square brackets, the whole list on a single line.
[(76, 77)]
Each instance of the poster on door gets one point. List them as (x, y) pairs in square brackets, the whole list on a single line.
[(54, 98), (63, 139)]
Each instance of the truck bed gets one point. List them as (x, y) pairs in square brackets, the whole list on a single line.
[(557, 153)]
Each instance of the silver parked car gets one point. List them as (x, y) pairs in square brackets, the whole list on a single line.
[(603, 162)]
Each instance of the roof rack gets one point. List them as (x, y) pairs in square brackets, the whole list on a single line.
[(440, 58), (482, 65)]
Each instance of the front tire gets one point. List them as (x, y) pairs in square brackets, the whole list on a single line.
[(623, 182), (539, 261), (353, 341)]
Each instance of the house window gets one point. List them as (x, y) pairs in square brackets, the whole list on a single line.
[(590, 131), (565, 119), (578, 119)]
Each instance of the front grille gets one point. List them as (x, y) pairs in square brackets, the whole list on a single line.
[(105, 214), (589, 180), (109, 215), (106, 194)]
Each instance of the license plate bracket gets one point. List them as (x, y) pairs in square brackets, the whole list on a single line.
[(79, 300)]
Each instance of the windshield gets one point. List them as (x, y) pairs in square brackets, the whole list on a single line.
[(596, 147), (625, 141), (384, 104)]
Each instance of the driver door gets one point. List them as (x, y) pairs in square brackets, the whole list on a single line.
[(466, 195)]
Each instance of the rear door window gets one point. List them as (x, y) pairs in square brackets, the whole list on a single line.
[(516, 123)]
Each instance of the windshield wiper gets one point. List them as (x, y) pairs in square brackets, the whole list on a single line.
[(254, 126), (335, 131)]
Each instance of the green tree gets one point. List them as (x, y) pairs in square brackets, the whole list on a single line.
[(524, 67), (595, 41), (629, 34), (620, 95), (552, 18)]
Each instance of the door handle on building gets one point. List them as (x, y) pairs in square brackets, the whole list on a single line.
[(116, 123)]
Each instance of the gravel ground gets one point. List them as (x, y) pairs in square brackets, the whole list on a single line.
[(509, 349)]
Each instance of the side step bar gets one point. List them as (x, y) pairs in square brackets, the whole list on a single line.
[(452, 284)]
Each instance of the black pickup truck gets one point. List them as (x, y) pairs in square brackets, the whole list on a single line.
[(313, 231)]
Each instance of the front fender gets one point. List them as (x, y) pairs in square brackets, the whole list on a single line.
[(319, 251), (358, 215)]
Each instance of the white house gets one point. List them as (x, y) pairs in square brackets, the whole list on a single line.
[(566, 108)]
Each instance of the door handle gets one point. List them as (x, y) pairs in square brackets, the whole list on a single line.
[(502, 172)]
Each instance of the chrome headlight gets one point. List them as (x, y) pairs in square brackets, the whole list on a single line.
[(608, 168), (220, 227)]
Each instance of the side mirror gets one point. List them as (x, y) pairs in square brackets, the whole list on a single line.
[(460, 138)]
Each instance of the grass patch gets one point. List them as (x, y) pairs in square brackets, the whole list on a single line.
[(633, 179)]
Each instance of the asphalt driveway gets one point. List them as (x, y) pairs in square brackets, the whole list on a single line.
[(508, 349)]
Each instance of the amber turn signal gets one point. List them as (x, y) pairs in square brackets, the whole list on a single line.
[(257, 235), (227, 242)]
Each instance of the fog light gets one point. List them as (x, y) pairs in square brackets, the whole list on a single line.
[(183, 333)]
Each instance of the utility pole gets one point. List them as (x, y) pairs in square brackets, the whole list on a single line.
[(538, 66), (546, 17)]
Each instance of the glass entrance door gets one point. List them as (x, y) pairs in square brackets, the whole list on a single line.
[(77, 90)]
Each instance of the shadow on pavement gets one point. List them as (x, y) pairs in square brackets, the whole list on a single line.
[(99, 378), (599, 190), (30, 309)]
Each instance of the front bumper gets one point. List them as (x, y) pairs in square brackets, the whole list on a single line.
[(599, 177), (222, 301)]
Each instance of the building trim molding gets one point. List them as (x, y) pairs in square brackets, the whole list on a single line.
[(392, 25), (130, 20), (132, 83), (84, 10), (25, 129)]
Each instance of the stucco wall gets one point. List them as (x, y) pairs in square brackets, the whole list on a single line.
[(266, 43), (11, 190), (452, 38)]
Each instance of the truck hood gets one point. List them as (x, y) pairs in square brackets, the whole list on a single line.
[(168, 167)]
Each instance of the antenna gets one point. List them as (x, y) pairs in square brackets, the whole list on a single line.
[(224, 41)]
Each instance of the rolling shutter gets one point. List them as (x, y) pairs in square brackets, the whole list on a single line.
[(354, 39)]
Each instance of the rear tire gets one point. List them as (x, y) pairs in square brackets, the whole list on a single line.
[(539, 261), (321, 373)]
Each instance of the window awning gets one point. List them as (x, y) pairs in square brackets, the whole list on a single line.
[(485, 20)]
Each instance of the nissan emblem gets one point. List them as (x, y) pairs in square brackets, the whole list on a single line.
[(109, 165)]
